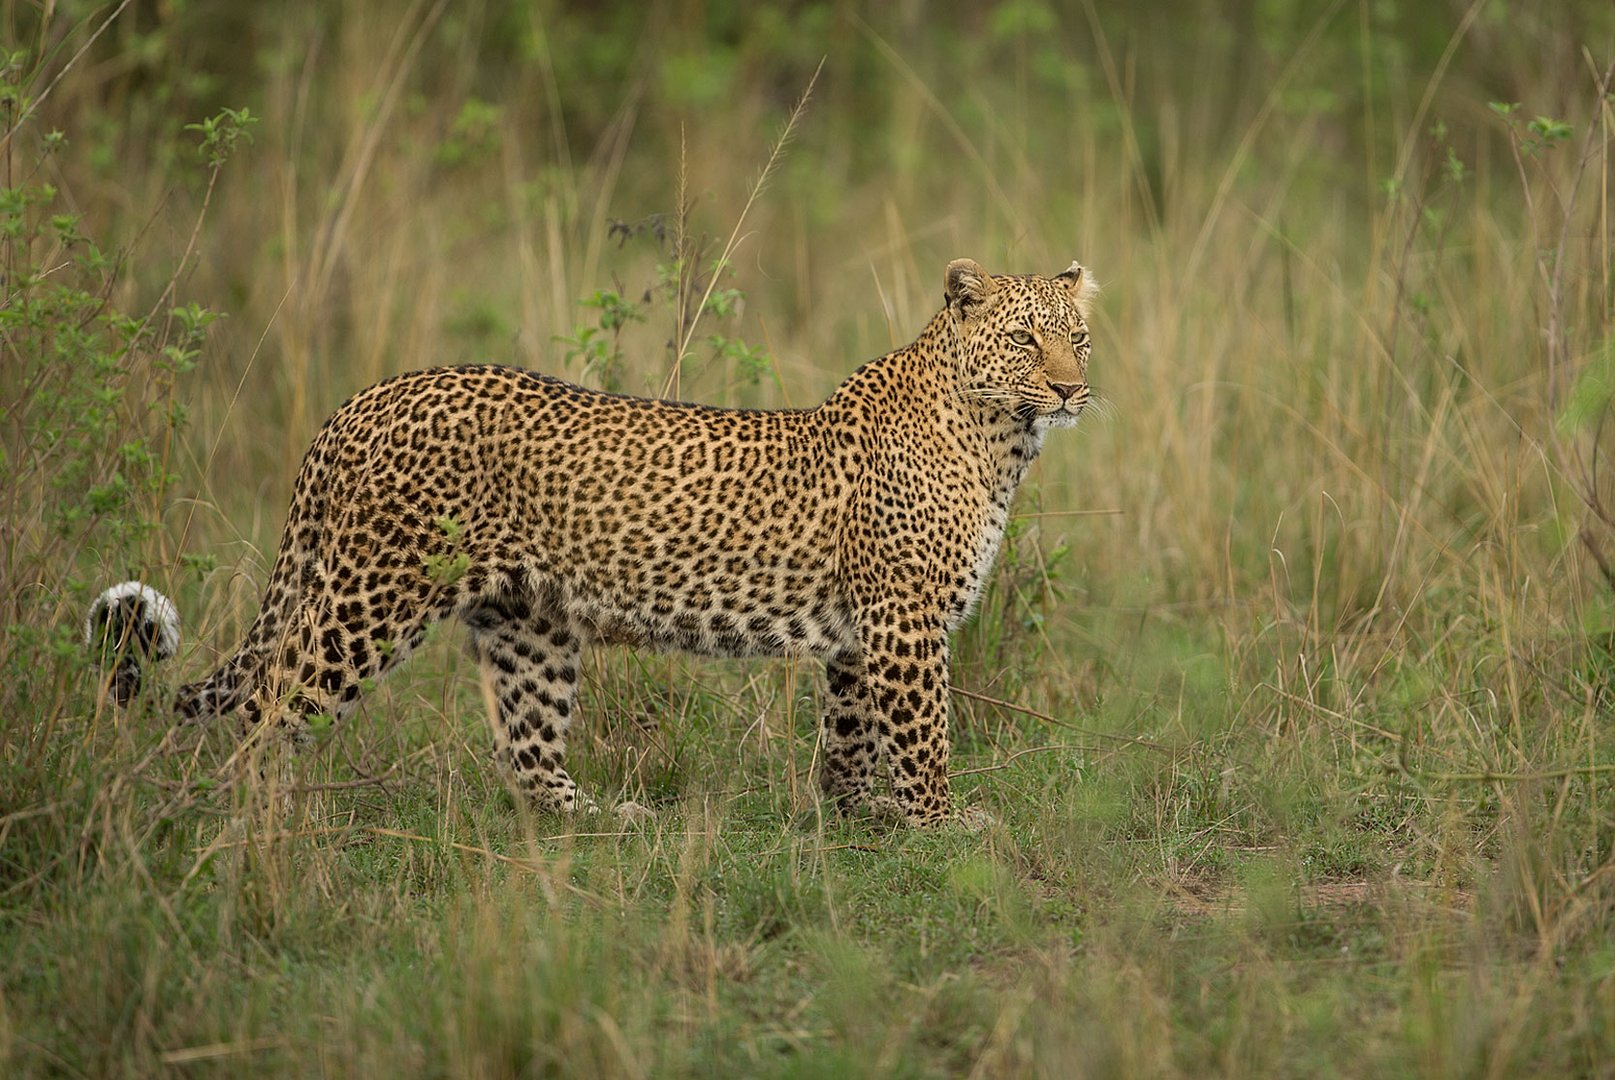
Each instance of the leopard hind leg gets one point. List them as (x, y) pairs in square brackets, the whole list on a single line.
[(530, 654), (850, 741), (333, 648)]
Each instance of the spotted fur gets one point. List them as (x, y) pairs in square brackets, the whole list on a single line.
[(547, 517)]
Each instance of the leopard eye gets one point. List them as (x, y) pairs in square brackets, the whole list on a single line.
[(1020, 337), (1079, 338)]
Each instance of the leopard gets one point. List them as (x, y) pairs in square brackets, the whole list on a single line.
[(549, 518)]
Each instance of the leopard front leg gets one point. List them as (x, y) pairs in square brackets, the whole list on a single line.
[(530, 667), (905, 675)]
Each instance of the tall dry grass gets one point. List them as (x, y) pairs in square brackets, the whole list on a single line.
[(1318, 587)]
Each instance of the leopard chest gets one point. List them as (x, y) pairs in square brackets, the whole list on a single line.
[(1002, 477)]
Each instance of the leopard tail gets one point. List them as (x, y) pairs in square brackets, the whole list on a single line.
[(235, 680)]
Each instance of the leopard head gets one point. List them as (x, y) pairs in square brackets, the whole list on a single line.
[(1021, 342)]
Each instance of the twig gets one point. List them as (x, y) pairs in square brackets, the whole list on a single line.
[(729, 246), (817, 850), (170, 289), (401, 55), (188, 1054), (5, 142), (1504, 777), (472, 849), (6, 820), (378, 780), (989, 174), (1567, 215), (1128, 740), (681, 261), (1020, 753), (1236, 162), (399, 834), (1064, 513)]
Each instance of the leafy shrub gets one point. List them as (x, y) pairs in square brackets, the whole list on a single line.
[(89, 424)]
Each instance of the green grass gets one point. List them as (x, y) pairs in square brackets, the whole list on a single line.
[(1290, 696), (1202, 901)]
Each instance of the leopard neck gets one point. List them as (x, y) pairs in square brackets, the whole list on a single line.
[(1001, 444)]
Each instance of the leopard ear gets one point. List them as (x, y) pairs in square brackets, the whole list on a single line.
[(1079, 283), (967, 288)]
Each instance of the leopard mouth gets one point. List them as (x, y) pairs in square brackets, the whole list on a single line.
[(1065, 414), (1062, 415)]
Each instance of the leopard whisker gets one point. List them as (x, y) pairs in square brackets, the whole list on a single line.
[(987, 393), (1101, 406)]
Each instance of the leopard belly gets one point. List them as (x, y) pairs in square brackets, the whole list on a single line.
[(713, 624)]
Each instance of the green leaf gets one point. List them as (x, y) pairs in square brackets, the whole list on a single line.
[(1550, 130)]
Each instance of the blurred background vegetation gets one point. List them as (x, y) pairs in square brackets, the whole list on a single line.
[(1326, 588)]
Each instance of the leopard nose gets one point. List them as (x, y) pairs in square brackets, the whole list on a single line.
[(1065, 389)]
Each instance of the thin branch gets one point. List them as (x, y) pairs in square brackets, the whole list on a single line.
[(1065, 513), (214, 1051), (529, 865), (171, 289), (1126, 740), (5, 141), (1004, 764), (1567, 217), (379, 780), (774, 157), (681, 263), (1489, 777)]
